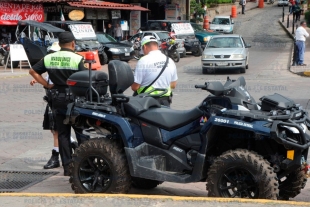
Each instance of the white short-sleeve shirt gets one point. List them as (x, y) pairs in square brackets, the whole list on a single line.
[(149, 67)]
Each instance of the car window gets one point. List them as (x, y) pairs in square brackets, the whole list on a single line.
[(163, 35), (148, 34), (154, 26), (222, 21), (225, 42), (105, 38), (135, 36)]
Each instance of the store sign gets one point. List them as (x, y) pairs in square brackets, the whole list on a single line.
[(182, 28), (116, 14), (76, 15), (81, 31), (11, 13)]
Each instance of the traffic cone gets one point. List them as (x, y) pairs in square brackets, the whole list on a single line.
[(233, 11), (206, 23)]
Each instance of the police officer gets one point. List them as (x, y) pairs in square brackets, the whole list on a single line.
[(148, 69), (59, 66)]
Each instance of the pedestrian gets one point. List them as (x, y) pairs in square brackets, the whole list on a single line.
[(109, 30), (118, 33), (60, 66), (243, 6), (292, 8), (155, 70), (297, 12), (300, 38)]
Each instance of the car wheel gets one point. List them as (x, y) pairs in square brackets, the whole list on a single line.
[(198, 53), (103, 58)]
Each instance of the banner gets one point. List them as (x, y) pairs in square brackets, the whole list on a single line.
[(11, 13), (182, 28), (81, 31), (135, 24)]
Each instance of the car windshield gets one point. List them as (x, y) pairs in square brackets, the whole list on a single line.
[(225, 42), (224, 21), (104, 38), (197, 27), (163, 35)]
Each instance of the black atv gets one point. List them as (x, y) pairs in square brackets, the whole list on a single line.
[(254, 153)]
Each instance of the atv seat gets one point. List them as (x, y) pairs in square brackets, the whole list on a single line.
[(139, 104), (170, 119)]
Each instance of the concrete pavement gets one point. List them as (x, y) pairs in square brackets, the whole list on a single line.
[(34, 158)]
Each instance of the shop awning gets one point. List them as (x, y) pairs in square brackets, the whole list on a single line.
[(43, 1), (107, 5)]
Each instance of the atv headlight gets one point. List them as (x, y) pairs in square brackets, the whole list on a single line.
[(114, 50), (207, 56), (206, 39), (237, 56)]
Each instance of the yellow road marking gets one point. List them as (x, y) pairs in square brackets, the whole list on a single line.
[(155, 197)]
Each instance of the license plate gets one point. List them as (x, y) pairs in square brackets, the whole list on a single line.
[(127, 54), (223, 63)]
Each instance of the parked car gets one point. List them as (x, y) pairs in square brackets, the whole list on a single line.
[(283, 2), (114, 50), (85, 37), (160, 36), (35, 37), (222, 24), (225, 52), (182, 29), (202, 35)]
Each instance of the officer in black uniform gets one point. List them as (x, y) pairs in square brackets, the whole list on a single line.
[(60, 66)]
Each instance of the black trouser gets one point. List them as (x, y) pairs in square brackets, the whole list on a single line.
[(243, 7), (64, 131)]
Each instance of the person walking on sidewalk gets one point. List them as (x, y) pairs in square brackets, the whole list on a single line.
[(243, 6), (300, 38), (60, 66)]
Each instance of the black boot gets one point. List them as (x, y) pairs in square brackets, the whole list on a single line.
[(54, 161)]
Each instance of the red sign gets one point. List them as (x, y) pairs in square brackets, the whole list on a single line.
[(11, 13)]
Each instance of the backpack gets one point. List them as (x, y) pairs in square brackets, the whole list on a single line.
[(240, 2)]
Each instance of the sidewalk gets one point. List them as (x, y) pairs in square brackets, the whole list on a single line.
[(300, 70)]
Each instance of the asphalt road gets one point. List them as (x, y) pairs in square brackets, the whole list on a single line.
[(24, 146)]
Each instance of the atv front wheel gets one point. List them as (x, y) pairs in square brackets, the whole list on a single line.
[(142, 183), (100, 166), (292, 185), (244, 174)]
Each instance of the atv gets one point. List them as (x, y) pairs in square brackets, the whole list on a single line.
[(255, 151)]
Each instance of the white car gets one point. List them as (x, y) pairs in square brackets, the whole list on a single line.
[(225, 52), (222, 24), (283, 2)]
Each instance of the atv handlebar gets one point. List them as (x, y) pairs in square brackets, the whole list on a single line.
[(201, 86)]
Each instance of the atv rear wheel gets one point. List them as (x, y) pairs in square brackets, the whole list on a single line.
[(100, 166), (292, 185), (142, 183), (244, 174)]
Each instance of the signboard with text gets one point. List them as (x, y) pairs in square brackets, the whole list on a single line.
[(116, 14), (182, 28), (11, 13), (81, 31), (171, 12)]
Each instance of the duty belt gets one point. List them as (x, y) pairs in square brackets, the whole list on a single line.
[(54, 93)]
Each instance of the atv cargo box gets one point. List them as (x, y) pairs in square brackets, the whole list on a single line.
[(79, 83), (276, 102)]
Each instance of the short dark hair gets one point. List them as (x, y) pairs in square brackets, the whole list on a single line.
[(303, 22)]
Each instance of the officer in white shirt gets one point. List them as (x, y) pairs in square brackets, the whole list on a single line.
[(300, 39), (149, 67)]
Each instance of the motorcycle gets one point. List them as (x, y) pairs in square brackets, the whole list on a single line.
[(137, 49), (137, 142), (169, 48)]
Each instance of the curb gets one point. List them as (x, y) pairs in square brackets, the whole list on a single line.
[(157, 197)]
